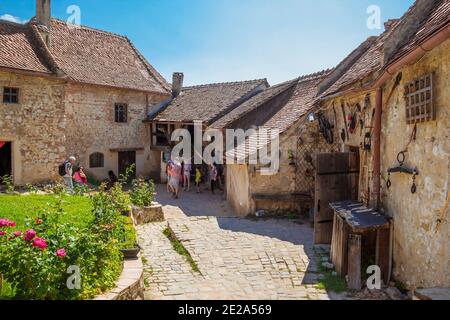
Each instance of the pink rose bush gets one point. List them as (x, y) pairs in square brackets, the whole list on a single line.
[(61, 253)]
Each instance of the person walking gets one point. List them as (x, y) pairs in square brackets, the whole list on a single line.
[(68, 180), (213, 176), (187, 176), (198, 178), (175, 178)]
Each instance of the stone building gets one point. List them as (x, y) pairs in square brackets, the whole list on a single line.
[(73, 90), (389, 103)]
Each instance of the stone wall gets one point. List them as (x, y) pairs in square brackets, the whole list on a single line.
[(35, 126), (421, 254), (91, 128), (421, 242), (238, 193)]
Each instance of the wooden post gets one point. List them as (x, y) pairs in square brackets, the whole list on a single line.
[(382, 253), (354, 262)]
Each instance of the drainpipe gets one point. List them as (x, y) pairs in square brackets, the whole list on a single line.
[(376, 178)]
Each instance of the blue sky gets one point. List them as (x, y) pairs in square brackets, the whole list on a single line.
[(230, 40)]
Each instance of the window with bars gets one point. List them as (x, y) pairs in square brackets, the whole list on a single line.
[(10, 95), (121, 113), (96, 160), (419, 100)]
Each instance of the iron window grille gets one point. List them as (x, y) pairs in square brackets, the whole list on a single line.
[(419, 100)]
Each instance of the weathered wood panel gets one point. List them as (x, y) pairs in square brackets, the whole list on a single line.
[(354, 262), (336, 180)]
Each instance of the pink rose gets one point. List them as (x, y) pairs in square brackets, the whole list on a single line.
[(2, 233), (39, 243), (7, 223), (38, 221), (17, 233), (61, 253), (30, 234)]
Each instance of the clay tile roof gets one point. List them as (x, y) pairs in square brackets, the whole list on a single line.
[(92, 56), (438, 18), (17, 49), (209, 102), (300, 103), (252, 104), (371, 61)]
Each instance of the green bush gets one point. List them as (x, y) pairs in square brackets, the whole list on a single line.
[(35, 263), (142, 193), (120, 199), (7, 180)]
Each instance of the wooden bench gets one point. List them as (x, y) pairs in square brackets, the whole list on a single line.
[(353, 225)]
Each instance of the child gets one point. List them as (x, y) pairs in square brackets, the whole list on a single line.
[(198, 178)]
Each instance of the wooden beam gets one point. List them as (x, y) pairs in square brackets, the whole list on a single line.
[(382, 253), (354, 262)]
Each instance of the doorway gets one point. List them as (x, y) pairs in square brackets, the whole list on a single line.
[(5, 158), (337, 179), (126, 159)]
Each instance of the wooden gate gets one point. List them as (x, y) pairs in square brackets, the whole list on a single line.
[(337, 176)]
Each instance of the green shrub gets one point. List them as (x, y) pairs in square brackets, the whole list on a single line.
[(120, 199), (8, 181), (142, 193), (31, 188), (35, 263)]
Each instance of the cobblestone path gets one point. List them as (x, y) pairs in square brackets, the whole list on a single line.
[(237, 258)]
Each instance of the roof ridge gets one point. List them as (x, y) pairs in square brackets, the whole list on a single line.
[(315, 75), (224, 83), (24, 25), (87, 28), (155, 74)]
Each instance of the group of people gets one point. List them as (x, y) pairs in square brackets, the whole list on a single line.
[(73, 175), (179, 176)]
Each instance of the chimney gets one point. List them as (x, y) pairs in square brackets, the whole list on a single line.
[(177, 83), (43, 12), (43, 17)]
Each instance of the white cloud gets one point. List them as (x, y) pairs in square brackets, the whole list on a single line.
[(11, 18)]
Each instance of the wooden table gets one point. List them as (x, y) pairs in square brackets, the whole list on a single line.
[(352, 222)]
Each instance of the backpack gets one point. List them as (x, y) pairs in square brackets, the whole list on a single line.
[(62, 169)]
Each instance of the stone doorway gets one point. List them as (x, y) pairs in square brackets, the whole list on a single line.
[(5, 158), (126, 159)]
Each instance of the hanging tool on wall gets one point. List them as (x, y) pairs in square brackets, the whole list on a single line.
[(402, 168), (345, 122)]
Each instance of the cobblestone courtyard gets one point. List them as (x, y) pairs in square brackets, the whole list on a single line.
[(237, 258)]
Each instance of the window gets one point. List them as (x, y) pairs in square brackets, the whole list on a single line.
[(162, 134), (419, 100), (120, 113), (10, 95), (96, 160)]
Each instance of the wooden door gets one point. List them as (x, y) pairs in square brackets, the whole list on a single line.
[(337, 176), (126, 159)]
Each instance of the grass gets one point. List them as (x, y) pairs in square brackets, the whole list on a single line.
[(329, 282), (180, 249), (20, 207)]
